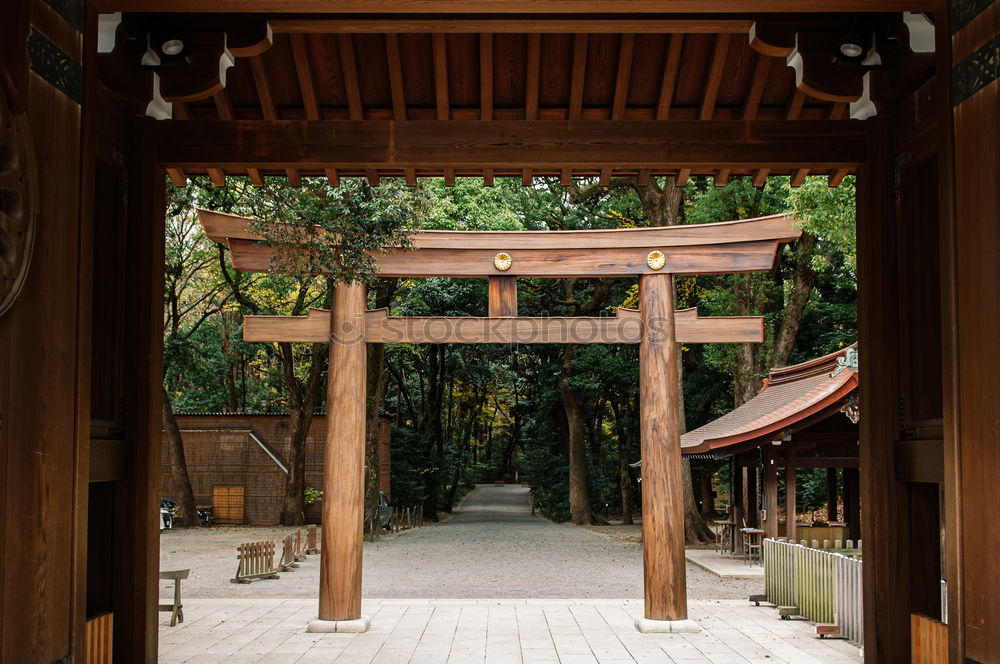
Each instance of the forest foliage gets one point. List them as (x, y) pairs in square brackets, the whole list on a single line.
[(464, 414)]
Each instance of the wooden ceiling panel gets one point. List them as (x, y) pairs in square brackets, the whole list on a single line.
[(240, 89), (510, 61), (647, 70), (417, 60), (327, 72), (557, 53), (738, 73), (373, 71), (463, 70), (602, 68), (696, 62)]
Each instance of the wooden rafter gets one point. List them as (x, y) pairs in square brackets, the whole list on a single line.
[(671, 70), (486, 76), (714, 80), (303, 72), (625, 51), (350, 71), (578, 76), (532, 76), (267, 108), (441, 77)]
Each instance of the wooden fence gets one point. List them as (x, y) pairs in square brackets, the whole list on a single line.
[(98, 639), (288, 561), (823, 586), (256, 561), (312, 546), (928, 640)]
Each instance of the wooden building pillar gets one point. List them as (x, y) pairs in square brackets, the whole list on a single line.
[(343, 466), (831, 494), (753, 508), (660, 425), (790, 494), (770, 493), (737, 490), (852, 506)]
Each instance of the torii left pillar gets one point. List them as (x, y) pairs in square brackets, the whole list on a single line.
[(344, 468), (660, 402)]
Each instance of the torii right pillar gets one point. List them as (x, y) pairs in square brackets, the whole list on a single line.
[(660, 402)]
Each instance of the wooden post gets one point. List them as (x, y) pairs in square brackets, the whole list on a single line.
[(831, 494), (659, 416), (503, 296), (737, 490), (852, 507), (343, 468), (752, 514), (790, 494), (770, 493)]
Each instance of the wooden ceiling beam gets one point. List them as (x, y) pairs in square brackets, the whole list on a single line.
[(350, 71), (270, 112), (703, 144), (464, 7), (578, 76), (177, 176), (671, 70), (620, 100), (714, 79), (838, 177), (427, 24)]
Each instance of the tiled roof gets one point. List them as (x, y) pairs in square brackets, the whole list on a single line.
[(790, 395)]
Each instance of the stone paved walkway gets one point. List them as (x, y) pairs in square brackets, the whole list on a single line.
[(492, 547), (271, 631)]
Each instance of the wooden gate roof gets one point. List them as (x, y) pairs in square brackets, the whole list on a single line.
[(762, 93)]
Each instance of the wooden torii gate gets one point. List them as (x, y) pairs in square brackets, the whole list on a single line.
[(652, 254)]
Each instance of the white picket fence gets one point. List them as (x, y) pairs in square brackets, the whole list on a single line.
[(825, 585)]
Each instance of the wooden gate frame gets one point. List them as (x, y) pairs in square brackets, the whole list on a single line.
[(652, 254)]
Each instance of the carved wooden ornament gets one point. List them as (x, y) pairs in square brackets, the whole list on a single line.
[(18, 194)]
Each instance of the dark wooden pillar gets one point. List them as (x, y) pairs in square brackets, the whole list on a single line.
[(344, 460), (770, 492), (659, 415), (852, 506), (831, 494), (971, 235), (790, 507), (753, 509), (737, 491)]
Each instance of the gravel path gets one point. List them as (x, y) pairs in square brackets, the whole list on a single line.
[(493, 547)]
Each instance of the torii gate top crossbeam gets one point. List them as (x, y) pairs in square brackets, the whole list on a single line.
[(727, 247)]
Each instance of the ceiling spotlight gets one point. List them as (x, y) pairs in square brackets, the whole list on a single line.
[(172, 47)]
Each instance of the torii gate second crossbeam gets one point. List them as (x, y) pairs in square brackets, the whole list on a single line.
[(653, 254)]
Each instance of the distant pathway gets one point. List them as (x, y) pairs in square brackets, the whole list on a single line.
[(493, 547)]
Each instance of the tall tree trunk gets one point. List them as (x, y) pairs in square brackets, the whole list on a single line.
[(624, 456), (178, 465), (375, 388), (303, 407), (579, 484), (232, 367), (803, 283), (432, 428)]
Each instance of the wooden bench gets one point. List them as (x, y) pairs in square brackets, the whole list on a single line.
[(256, 561), (176, 609)]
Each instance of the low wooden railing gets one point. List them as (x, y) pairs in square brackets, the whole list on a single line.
[(928, 640), (823, 586), (256, 561), (98, 639)]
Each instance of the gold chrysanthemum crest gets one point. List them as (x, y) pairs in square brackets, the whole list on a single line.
[(502, 261), (656, 259)]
